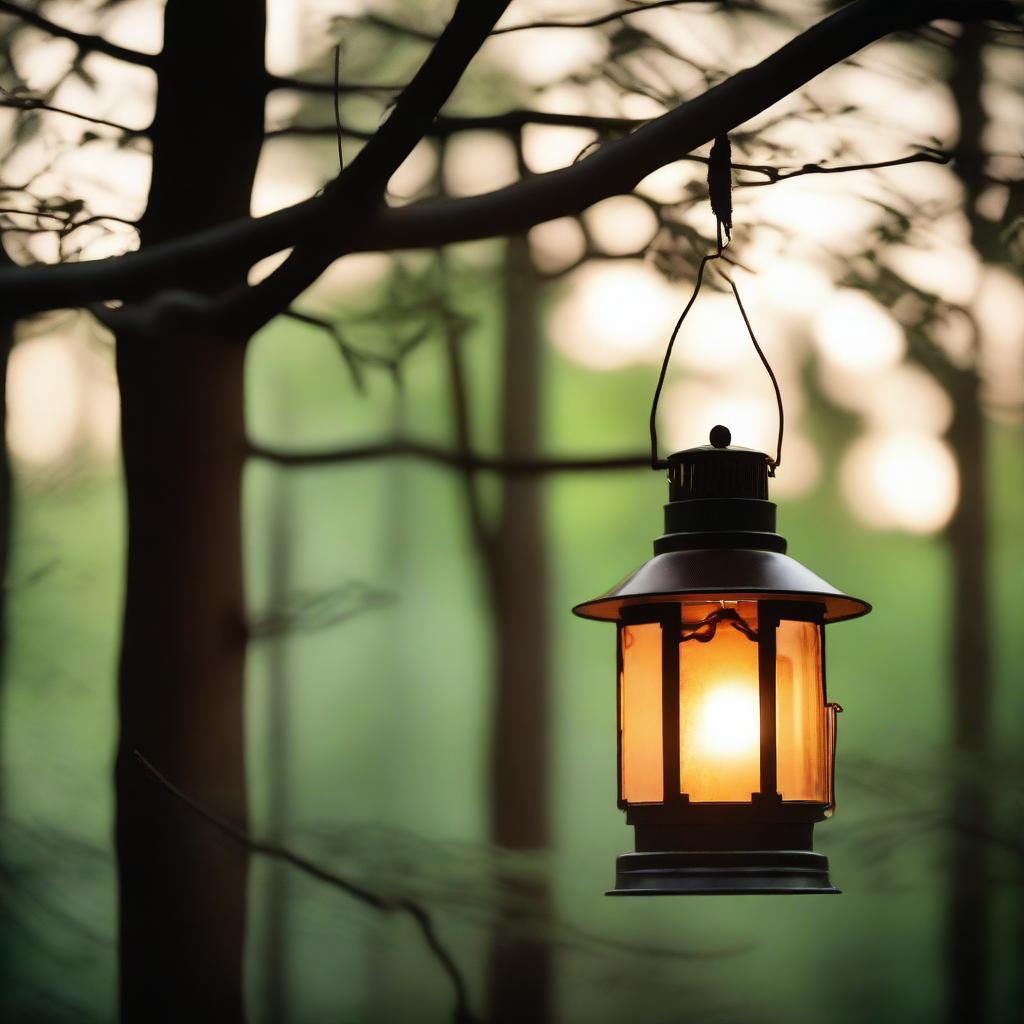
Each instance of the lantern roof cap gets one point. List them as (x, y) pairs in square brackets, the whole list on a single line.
[(721, 573)]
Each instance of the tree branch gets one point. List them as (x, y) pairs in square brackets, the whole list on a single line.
[(85, 42), (614, 169), (29, 103), (424, 922), (356, 191), (463, 461), (273, 82), (444, 125), (624, 12)]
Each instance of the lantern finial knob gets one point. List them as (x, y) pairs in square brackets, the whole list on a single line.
[(721, 437)]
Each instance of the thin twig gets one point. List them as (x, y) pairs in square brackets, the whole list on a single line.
[(401, 448), (30, 103), (337, 105), (85, 42), (404, 904), (622, 12)]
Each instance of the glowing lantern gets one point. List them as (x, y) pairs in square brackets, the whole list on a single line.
[(726, 735)]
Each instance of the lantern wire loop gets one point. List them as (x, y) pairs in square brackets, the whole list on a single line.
[(719, 189)]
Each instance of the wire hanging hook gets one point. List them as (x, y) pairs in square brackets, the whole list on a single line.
[(720, 192)]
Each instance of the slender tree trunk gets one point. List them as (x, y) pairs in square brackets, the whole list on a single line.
[(6, 530), (7, 328), (968, 914), (968, 921), (181, 679), (519, 979), (275, 953)]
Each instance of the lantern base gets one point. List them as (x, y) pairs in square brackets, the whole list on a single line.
[(722, 873)]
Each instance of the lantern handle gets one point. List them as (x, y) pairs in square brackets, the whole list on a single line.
[(659, 463), (720, 193)]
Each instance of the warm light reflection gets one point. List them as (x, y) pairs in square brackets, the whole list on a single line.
[(415, 172), (44, 398), (556, 244), (552, 55), (548, 147), (642, 780), (857, 333), (61, 398), (621, 225), (614, 314), (478, 162), (691, 408), (901, 481)]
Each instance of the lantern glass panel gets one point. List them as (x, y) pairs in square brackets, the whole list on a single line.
[(801, 736), (640, 714), (719, 718)]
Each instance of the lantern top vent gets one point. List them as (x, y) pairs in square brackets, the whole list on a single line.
[(718, 470)]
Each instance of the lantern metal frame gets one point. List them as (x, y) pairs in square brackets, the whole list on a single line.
[(720, 545)]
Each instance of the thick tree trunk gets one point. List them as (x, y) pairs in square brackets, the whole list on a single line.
[(181, 680), (968, 918), (182, 889), (519, 978)]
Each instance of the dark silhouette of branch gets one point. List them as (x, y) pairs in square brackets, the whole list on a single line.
[(355, 358), (446, 125), (777, 174), (273, 82), (624, 12), (614, 169), (29, 103), (403, 904), (467, 461), (355, 192), (405, 29), (85, 42)]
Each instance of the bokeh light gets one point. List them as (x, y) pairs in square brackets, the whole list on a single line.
[(614, 314), (44, 400), (903, 480), (856, 333)]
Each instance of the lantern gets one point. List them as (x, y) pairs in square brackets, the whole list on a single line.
[(726, 736)]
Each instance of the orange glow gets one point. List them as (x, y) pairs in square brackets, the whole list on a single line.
[(800, 717), (719, 723), (719, 711), (640, 714)]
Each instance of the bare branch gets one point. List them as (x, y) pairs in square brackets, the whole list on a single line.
[(30, 103), (614, 169), (85, 42), (273, 82), (353, 195), (464, 461), (509, 121), (777, 174), (624, 12), (424, 922)]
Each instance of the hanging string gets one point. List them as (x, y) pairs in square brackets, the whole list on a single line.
[(720, 194)]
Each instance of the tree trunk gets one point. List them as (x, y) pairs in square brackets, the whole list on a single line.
[(519, 978), (278, 750), (182, 889), (968, 919), (181, 679)]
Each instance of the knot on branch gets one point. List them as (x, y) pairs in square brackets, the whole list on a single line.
[(720, 182)]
